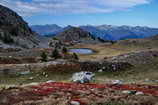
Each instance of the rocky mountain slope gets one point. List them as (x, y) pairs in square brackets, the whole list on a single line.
[(14, 31), (106, 32), (74, 34)]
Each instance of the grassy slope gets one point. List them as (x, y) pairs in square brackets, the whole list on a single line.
[(122, 47), (136, 74), (37, 77)]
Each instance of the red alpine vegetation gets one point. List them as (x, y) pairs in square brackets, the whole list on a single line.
[(59, 93), (48, 88)]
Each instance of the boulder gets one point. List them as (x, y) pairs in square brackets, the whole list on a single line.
[(74, 103), (117, 82), (139, 93), (83, 77), (126, 92)]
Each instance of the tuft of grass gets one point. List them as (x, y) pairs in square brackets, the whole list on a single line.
[(109, 103), (41, 76)]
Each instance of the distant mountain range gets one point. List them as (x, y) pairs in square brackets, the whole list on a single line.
[(47, 29), (105, 32)]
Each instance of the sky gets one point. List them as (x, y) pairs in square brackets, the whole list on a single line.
[(86, 12)]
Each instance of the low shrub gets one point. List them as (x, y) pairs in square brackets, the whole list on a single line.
[(75, 56), (44, 56), (55, 54)]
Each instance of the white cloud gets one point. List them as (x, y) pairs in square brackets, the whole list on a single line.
[(25, 7)]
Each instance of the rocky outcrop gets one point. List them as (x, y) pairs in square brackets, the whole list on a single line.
[(136, 58), (63, 66), (14, 31), (54, 66), (104, 66), (74, 34)]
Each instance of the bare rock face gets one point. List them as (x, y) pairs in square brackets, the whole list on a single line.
[(73, 34), (14, 31)]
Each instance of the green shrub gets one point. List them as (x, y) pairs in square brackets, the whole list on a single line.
[(44, 56), (75, 56), (113, 42), (0, 36), (93, 37), (54, 38), (14, 31), (55, 54), (7, 39), (110, 103), (101, 40), (64, 50)]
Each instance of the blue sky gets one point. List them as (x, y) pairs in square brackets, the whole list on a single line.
[(83, 12)]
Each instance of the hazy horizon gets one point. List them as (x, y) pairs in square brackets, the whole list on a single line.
[(91, 25)]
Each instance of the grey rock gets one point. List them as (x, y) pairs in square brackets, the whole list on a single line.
[(25, 72), (74, 103), (139, 93), (126, 92), (100, 71), (83, 77), (117, 82)]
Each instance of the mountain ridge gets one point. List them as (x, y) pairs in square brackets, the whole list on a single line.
[(111, 32)]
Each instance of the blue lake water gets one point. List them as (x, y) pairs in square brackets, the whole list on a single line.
[(81, 51)]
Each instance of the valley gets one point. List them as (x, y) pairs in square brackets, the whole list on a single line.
[(76, 67)]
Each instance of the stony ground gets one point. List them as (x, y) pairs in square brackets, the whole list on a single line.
[(58, 93)]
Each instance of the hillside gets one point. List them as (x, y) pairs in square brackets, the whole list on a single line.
[(74, 34), (14, 31)]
